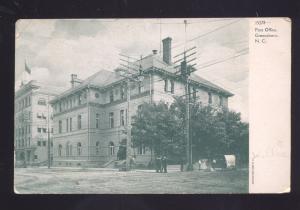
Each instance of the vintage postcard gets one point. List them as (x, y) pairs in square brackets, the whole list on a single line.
[(159, 106)]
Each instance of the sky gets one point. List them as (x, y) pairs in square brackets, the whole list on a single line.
[(55, 49)]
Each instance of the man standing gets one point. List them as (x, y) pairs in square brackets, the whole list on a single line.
[(181, 164), (164, 164), (158, 164)]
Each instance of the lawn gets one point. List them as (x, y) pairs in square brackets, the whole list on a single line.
[(96, 181)]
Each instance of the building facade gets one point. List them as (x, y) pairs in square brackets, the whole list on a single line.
[(33, 118), (90, 118)]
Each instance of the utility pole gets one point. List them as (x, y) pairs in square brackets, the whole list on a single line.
[(128, 128), (185, 71), (49, 142), (132, 76)]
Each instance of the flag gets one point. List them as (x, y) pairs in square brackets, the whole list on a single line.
[(27, 69)]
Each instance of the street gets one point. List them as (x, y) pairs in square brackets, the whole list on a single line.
[(105, 181)]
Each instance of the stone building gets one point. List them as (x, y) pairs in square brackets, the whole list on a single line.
[(32, 117), (90, 118)]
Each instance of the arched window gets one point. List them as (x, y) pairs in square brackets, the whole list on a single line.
[(59, 150), (67, 149), (70, 150), (97, 120), (79, 149), (111, 148), (97, 148)]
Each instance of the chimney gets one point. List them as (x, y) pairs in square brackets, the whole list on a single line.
[(74, 80), (167, 50), (154, 52)]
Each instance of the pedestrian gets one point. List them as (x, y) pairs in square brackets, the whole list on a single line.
[(130, 162), (164, 164), (181, 164), (158, 164)]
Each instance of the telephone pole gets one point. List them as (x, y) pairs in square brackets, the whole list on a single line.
[(132, 75), (185, 71), (49, 142), (128, 128)]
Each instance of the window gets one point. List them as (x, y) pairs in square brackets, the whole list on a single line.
[(111, 148), (194, 93), (70, 150), (79, 99), (111, 119), (35, 157), (122, 92), (67, 149), (122, 118), (96, 95), (111, 96), (71, 124), (67, 125), (42, 102), (79, 122), (60, 109), (51, 130), (44, 143), (220, 100), (140, 107), (209, 98), (59, 150), (38, 129), (29, 99), (79, 149), (166, 85), (140, 87), (44, 130), (141, 149), (97, 147), (39, 143), (38, 115), (59, 126), (97, 120), (172, 86)]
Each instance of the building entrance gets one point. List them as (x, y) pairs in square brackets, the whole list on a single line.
[(122, 150)]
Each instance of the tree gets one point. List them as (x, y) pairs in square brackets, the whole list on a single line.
[(212, 131), (156, 127)]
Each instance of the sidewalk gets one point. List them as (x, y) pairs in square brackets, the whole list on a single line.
[(170, 169)]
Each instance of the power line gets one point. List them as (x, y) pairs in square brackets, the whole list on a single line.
[(209, 32), (221, 61)]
